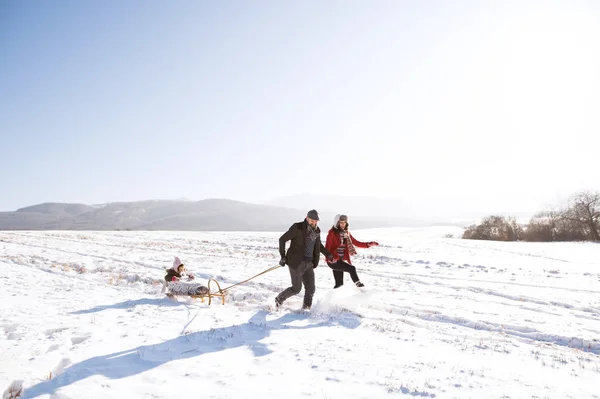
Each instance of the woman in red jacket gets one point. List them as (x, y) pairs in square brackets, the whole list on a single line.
[(341, 245)]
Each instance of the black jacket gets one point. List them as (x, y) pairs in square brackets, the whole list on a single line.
[(295, 254)]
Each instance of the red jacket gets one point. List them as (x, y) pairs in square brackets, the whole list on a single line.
[(334, 241)]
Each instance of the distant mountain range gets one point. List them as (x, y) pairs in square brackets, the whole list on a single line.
[(205, 215), (410, 211)]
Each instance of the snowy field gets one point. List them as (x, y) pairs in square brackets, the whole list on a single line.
[(81, 316)]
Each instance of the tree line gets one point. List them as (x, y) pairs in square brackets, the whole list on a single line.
[(576, 220)]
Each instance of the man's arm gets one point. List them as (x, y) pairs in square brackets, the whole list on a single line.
[(288, 235), (324, 251)]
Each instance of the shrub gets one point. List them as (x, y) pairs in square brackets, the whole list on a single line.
[(495, 228)]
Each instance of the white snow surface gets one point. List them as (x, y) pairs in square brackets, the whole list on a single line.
[(82, 316)]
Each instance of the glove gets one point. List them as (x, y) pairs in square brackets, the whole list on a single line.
[(372, 244), (282, 261), (191, 276)]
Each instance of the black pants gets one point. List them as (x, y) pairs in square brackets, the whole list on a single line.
[(304, 273), (339, 268)]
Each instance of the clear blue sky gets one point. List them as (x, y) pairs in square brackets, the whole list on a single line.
[(105, 101)]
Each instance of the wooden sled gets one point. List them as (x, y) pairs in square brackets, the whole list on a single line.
[(220, 293), (211, 294)]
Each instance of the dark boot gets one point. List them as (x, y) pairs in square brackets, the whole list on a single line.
[(307, 303), (359, 284), (338, 278)]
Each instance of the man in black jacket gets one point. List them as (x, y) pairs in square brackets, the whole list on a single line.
[(302, 257)]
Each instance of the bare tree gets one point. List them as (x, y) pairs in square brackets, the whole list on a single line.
[(583, 213)]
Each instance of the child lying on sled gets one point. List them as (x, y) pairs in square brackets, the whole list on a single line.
[(175, 284)]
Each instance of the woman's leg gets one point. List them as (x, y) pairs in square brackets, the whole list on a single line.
[(341, 266), (338, 277)]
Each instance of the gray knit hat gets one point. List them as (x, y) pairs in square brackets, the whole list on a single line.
[(313, 214)]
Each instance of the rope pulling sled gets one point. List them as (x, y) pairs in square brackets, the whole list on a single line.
[(221, 292)]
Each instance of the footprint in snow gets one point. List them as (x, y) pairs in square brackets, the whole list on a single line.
[(53, 348), (78, 340), (51, 331), (10, 331)]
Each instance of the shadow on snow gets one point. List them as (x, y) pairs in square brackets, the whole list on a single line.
[(137, 360)]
